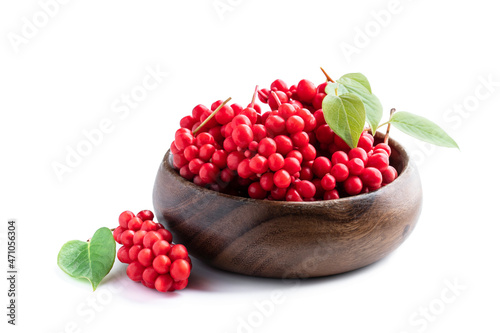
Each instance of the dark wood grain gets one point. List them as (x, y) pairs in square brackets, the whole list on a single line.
[(289, 240)]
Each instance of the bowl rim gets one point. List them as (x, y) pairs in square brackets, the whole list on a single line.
[(408, 165)]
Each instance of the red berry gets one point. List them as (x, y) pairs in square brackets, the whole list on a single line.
[(300, 139), (266, 181), (124, 218), (161, 247), (365, 142), (305, 188), (325, 134), (358, 153), (353, 185), (320, 117), (187, 122), (224, 115), (306, 90), (276, 162), (267, 146), (282, 179), (149, 275), (331, 195), (146, 215), (117, 233), (242, 135), (293, 195), (283, 144), (163, 283), (127, 237), (123, 256), (139, 236), (321, 166), (279, 85), (328, 182), (183, 140), (389, 174), (258, 164), (259, 132), (150, 238), (161, 264), (244, 170), (275, 124), (180, 270), (306, 173), (234, 159), (134, 251), (355, 166), (273, 104), (379, 161), (278, 193), (340, 157), (149, 226), (178, 251), (229, 144), (286, 110), (340, 172), (206, 151), (385, 147), (179, 285), (208, 173), (321, 88), (318, 100), (198, 110), (134, 271), (145, 257), (251, 113), (135, 223), (371, 177), (308, 152), (165, 234), (195, 165), (219, 158)]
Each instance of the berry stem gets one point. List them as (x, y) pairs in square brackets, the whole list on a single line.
[(386, 138), (253, 97), (211, 116), (328, 78), (276, 98)]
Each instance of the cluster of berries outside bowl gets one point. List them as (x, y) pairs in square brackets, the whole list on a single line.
[(278, 194)]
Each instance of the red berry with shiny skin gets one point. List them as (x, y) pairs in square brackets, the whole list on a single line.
[(146, 215), (355, 166), (178, 251), (305, 188), (127, 238), (161, 247), (161, 264), (117, 233), (208, 173), (371, 177), (134, 271), (163, 283), (150, 239), (267, 146), (149, 275), (353, 185), (124, 218), (282, 179), (328, 182), (321, 166), (134, 251), (180, 270), (123, 256), (340, 172), (165, 234), (145, 257), (306, 90)]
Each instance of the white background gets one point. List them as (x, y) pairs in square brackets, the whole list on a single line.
[(429, 57)]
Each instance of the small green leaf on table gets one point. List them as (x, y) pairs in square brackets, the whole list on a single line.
[(90, 260)]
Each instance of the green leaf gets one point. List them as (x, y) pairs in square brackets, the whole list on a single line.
[(422, 128), (330, 88), (358, 84), (351, 78), (345, 114), (90, 260)]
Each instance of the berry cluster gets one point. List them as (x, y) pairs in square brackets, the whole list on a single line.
[(147, 248), (289, 153)]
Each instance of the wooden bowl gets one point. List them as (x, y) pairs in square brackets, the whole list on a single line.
[(289, 240)]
